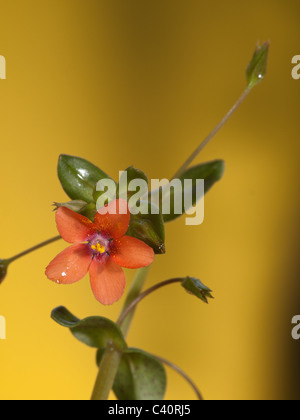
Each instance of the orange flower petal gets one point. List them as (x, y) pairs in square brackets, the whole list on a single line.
[(130, 252), (73, 227), (107, 281), (114, 225), (71, 265)]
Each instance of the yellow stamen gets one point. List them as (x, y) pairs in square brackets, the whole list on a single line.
[(99, 248)]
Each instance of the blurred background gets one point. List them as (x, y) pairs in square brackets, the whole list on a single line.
[(130, 82)]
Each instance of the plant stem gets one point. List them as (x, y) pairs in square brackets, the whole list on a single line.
[(34, 248), (130, 307), (182, 373), (135, 290), (107, 371), (212, 134), (111, 358)]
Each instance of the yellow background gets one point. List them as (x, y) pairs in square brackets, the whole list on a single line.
[(126, 82)]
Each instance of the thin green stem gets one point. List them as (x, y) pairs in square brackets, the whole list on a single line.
[(212, 134), (34, 248), (111, 358), (130, 308), (135, 290), (182, 373)]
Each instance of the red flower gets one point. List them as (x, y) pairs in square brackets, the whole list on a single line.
[(105, 251)]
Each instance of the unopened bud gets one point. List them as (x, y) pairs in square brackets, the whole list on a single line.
[(257, 67), (196, 288)]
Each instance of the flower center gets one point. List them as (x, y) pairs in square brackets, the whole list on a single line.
[(100, 248)]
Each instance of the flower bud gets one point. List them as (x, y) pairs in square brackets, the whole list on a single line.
[(257, 67), (196, 288)]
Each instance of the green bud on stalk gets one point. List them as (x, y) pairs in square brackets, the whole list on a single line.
[(257, 67)]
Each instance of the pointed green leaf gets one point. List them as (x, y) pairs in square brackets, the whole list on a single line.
[(140, 376), (93, 331), (78, 177), (257, 67), (196, 288), (149, 228), (210, 172)]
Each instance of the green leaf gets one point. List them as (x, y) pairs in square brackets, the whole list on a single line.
[(140, 376), (149, 228), (211, 172), (98, 332), (78, 177), (130, 174), (64, 317), (93, 331), (196, 288), (257, 67), (123, 189)]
